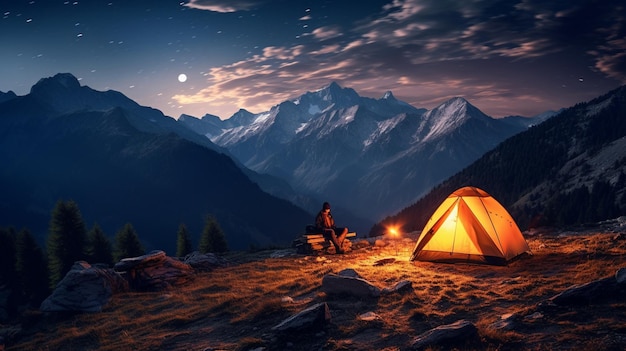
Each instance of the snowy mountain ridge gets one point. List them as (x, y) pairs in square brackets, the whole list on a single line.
[(354, 151)]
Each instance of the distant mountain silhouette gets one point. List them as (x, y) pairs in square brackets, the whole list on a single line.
[(569, 170), (125, 163)]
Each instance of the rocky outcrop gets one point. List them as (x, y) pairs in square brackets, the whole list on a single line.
[(87, 288), (154, 271), (84, 288)]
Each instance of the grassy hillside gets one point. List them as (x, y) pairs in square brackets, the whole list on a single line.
[(234, 308)]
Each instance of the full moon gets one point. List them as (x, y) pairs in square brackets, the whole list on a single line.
[(182, 77)]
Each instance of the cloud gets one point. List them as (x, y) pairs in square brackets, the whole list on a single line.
[(325, 33), (224, 6), (427, 48)]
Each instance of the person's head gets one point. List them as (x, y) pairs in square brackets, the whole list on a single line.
[(326, 207)]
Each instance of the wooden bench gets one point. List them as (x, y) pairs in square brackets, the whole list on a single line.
[(316, 243)]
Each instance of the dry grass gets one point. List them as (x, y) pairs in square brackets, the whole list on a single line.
[(234, 308)]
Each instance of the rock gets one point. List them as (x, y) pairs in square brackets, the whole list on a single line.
[(399, 287), (506, 322), (154, 271), (369, 317), (282, 253), (204, 262), (313, 317), (337, 284), (458, 332), (620, 276), (349, 272), (84, 289), (588, 293), (534, 316)]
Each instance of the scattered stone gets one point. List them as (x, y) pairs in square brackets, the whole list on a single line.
[(369, 317), (506, 322), (154, 271), (620, 276), (313, 317), (204, 262), (384, 261), (84, 289), (536, 315), (456, 333), (282, 253), (342, 285), (400, 287), (321, 259), (287, 299)]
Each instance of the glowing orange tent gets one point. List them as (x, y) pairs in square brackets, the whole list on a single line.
[(470, 226)]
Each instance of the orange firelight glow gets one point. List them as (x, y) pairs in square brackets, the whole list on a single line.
[(393, 231)]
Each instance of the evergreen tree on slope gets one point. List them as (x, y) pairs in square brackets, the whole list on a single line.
[(127, 243), (99, 247), (31, 268), (67, 237), (212, 239), (183, 242)]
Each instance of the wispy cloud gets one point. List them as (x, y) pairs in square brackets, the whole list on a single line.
[(395, 48), (223, 5)]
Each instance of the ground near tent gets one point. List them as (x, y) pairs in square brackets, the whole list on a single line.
[(234, 308)]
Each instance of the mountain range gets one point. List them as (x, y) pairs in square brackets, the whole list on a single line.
[(370, 156), (263, 175), (125, 163), (569, 170)]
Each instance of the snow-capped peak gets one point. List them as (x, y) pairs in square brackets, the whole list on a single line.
[(450, 115), (389, 95)]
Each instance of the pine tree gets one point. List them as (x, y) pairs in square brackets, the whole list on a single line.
[(99, 247), (31, 268), (212, 239), (7, 256), (127, 243), (67, 237), (183, 242)]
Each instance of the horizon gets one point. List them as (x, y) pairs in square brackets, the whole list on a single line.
[(295, 98), (506, 58)]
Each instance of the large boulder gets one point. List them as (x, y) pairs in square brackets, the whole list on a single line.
[(154, 271), (347, 284), (592, 292), (84, 288)]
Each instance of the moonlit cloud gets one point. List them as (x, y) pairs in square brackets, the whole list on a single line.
[(325, 33), (222, 5), (505, 56), (361, 57)]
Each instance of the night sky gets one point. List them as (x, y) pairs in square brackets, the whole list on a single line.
[(505, 57)]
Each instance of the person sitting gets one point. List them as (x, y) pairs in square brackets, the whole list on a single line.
[(326, 224)]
